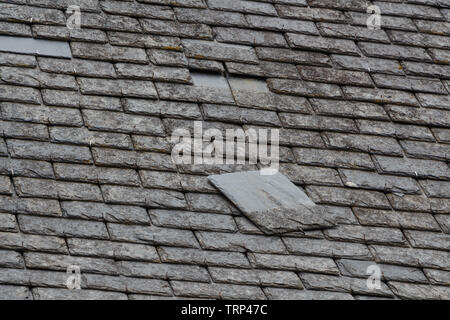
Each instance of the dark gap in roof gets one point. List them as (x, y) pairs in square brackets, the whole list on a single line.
[(38, 47)]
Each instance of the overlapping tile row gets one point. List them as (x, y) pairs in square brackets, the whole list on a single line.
[(87, 179)]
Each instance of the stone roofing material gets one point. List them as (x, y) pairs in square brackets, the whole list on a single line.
[(87, 177)]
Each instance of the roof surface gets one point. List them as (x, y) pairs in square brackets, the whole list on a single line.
[(87, 180)]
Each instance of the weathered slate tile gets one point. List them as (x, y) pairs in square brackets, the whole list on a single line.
[(310, 175), (420, 39), (388, 22), (8, 222), (217, 291), (347, 197), (137, 9), (396, 130), (11, 12), (240, 243), (438, 276), (412, 257), (328, 45), (243, 6), (11, 259), (410, 84), (66, 294), (63, 227), (152, 235), (352, 32), (100, 211), (164, 271), (206, 94), (434, 101), (370, 180), (314, 14), (436, 189), (250, 37), (225, 52), (116, 250), (20, 241), (292, 56), (283, 25), (61, 262), (240, 115), (357, 268), (342, 284), (48, 151), (329, 75), (193, 220), (126, 88), (304, 88), (293, 263), (421, 116), (413, 167), (268, 278), (428, 240), (19, 94), (376, 235), (364, 143), (426, 150), (387, 66), (12, 59), (426, 69), (332, 158), (176, 29), (292, 120), (210, 17), (15, 293), (291, 294), (327, 248), (30, 206), (419, 292), (379, 50), (396, 219), (203, 257), (78, 67), (380, 95), (85, 137)]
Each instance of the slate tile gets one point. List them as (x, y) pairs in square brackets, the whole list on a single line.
[(48, 151), (100, 211), (61, 262), (243, 6), (250, 37), (8, 222), (357, 268), (126, 88), (410, 84), (210, 17), (66, 294), (15, 293), (364, 143), (388, 22), (193, 220), (283, 25), (218, 291), (24, 130), (203, 257), (292, 56), (426, 69), (342, 284), (107, 52), (78, 67), (11, 12), (434, 101), (426, 150), (332, 158), (11, 259), (152, 235), (110, 22), (347, 197), (386, 66), (438, 189), (418, 291), (298, 121), (428, 240), (394, 51), (239, 242), (314, 14), (176, 29), (375, 235), (396, 219), (329, 75), (304, 88), (352, 32), (30, 206), (240, 115), (422, 40), (21, 241), (19, 94), (444, 222), (413, 167), (310, 175), (326, 248), (256, 277), (225, 52), (137, 9), (164, 271), (6, 186), (115, 250), (63, 227), (396, 130), (12, 59), (437, 276), (328, 45), (180, 92), (293, 263), (370, 180), (421, 116), (289, 294), (83, 136), (380, 95), (412, 257)]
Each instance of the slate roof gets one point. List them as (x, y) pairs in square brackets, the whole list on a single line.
[(86, 176)]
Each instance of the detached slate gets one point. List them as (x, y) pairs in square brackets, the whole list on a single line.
[(272, 202)]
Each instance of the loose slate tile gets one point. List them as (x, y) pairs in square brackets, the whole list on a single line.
[(35, 46), (291, 211)]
